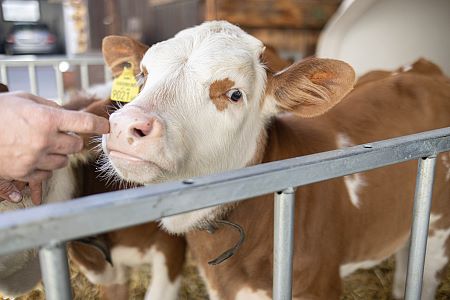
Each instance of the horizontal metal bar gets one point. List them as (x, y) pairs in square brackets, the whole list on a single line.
[(64, 221), (55, 271), (25, 60), (283, 244), (419, 230)]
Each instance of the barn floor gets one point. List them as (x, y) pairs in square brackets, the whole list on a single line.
[(374, 283)]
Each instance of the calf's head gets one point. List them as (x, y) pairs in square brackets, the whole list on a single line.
[(207, 95)]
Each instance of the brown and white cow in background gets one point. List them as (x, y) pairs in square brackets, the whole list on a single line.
[(209, 104), (105, 259)]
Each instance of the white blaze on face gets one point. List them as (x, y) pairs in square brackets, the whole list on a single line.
[(201, 135)]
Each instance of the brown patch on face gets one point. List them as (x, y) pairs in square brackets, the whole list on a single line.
[(217, 91), (130, 140)]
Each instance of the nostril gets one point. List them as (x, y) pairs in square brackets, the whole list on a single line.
[(138, 132), (142, 129)]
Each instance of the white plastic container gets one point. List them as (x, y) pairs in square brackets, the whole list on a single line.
[(385, 34)]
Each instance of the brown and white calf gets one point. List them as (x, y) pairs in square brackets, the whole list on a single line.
[(124, 248), (210, 104), (106, 260)]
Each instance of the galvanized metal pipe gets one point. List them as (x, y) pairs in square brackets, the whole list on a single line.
[(32, 77), (419, 231), (55, 271), (283, 244), (107, 74), (84, 72), (59, 84), (36, 226), (3, 74)]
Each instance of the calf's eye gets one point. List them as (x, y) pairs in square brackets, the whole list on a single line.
[(234, 95)]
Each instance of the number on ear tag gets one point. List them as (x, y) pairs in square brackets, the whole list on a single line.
[(125, 88)]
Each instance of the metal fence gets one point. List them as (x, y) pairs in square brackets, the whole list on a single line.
[(50, 226), (59, 64)]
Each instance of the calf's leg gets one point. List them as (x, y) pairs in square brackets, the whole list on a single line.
[(438, 250), (167, 263)]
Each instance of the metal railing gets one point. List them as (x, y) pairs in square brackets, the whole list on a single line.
[(60, 64), (50, 226)]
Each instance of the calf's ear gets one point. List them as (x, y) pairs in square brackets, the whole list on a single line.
[(311, 87), (119, 50)]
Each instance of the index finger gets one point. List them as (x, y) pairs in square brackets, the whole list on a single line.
[(81, 122)]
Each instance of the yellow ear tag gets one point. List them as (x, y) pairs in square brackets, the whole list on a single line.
[(125, 88)]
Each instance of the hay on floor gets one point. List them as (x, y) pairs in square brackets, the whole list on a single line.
[(375, 283)]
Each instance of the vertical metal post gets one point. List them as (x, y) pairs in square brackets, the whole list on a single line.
[(32, 77), (283, 244), (419, 231), (55, 271), (3, 74), (84, 72), (108, 75), (59, 84)]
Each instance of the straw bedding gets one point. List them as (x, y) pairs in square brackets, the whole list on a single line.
[(375, 283)]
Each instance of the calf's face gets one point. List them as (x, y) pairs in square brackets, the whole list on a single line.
[(206, 99)]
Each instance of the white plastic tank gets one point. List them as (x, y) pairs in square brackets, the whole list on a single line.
[(385, 34)]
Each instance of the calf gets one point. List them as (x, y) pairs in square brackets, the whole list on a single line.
[(104, 259), (210, 104)]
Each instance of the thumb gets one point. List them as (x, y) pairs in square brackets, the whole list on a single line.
[(9, 192)]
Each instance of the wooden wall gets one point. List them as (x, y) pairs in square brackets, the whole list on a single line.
[(291, 26)]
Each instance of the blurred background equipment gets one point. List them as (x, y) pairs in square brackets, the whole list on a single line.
[(384, 34), (31, 27), (31, 38), (76, 26), (290, 26)]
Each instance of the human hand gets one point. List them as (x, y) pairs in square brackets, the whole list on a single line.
[(37, 136), (12, 191)]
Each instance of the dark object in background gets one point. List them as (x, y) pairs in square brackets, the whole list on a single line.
[(3, 88), (292, 27), (31, 38)]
